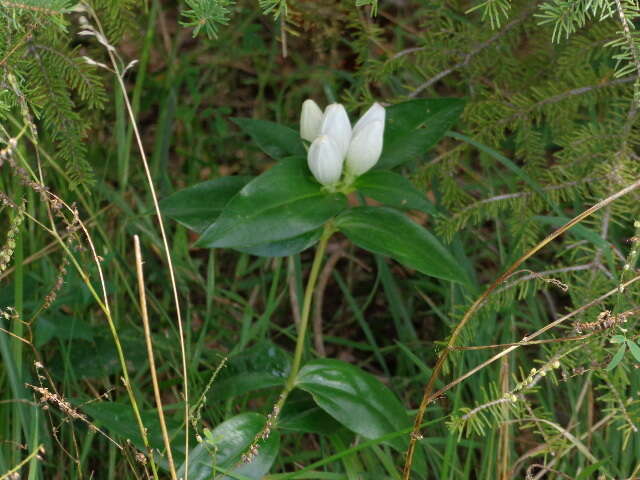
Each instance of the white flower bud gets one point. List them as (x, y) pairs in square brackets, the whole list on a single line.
[(310, 120), (336, 124), (325, 160), (365, 148), (376, 113)]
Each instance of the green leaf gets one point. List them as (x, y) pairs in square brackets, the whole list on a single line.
[(282, 203), (389, 232), (634, 349), (617, 339), (262, 366), (117, 420), (274, 139), (301, 414), (224, 446), (354, 398), (393, 190), (61, 327), (415, 126), (98, 358), (284, 248), (198, 206), (617, 358)]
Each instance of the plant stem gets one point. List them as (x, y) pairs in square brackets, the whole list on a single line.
[(150, 356), (19, 411), (165, 241), (14, 470), (306, 307), (327, 231)]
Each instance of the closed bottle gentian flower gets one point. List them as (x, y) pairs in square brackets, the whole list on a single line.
[(366, 143), (336, 124), (325, 160), (375, 113), (310, 120), (333, 140), (365, 148)]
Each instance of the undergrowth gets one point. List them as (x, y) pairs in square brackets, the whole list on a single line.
[(540, 382)]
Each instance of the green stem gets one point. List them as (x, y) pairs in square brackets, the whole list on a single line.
[(306, 305), (302, 331), (306, 308), (18, 328)]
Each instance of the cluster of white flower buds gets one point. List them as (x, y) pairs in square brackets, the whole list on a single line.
[(335, 146)]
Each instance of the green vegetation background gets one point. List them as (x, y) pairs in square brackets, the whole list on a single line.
[(549, 129)]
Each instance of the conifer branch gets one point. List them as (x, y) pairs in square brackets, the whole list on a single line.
[(469, 56)]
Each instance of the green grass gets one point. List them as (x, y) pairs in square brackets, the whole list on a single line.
[(240, 310)]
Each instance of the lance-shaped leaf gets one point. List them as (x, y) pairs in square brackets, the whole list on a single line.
[(262, 366), (634, 349), (225, 446), (359, 401), (286, 247), (274, 139), (355, 398), (198, 206), (415, 126), (393, 190), (388, 232), (617, 358), (282, 203)]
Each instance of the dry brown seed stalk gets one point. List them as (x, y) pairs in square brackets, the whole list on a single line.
[(604, 321)]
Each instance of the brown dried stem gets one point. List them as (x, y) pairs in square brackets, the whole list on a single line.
[(152, 362)]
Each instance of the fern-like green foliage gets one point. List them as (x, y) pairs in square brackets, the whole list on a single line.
[(618, 399), (495, 11), (116, 16), (493, 410), (276, 8), (49, 77), (207, 16)]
